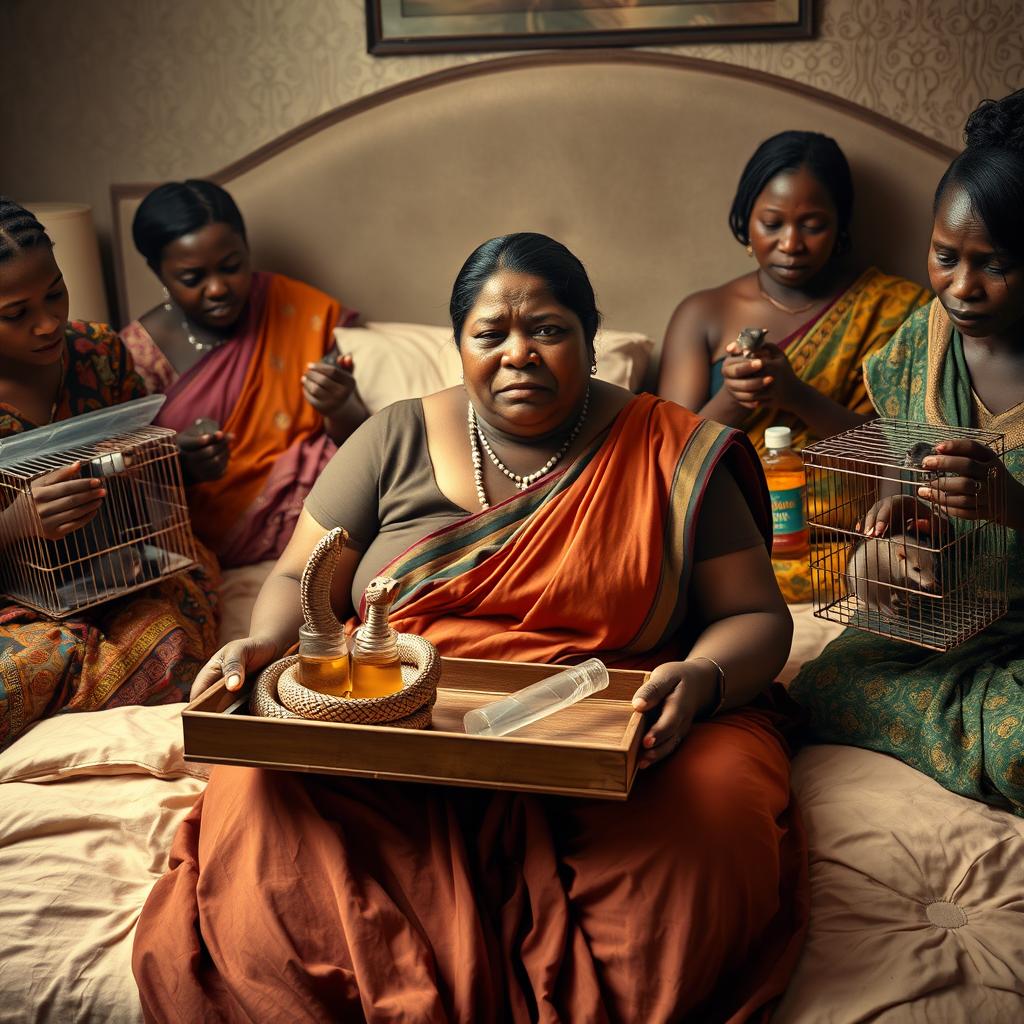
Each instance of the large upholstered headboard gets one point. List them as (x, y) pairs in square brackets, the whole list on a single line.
[(630, 158)]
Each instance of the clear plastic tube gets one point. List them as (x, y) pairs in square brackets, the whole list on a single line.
[(537, 700)]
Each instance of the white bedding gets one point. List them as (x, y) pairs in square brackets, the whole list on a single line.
[(89, 805)]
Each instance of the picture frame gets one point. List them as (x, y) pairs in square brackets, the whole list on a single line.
[(451, 26)]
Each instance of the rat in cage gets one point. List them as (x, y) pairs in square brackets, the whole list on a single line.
[(883, 573), (916, 572)]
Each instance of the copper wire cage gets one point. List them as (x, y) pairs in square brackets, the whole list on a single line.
[(933, 579), (140, 535)]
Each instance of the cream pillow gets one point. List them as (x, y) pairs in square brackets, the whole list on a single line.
[(396, 361), (131, 740)]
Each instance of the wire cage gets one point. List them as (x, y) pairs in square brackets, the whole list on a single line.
[(141, 533), (932, 579)]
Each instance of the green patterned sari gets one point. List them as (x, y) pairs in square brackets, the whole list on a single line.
[(957, 716)]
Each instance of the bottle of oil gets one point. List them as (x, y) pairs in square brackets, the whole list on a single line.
[(324, 662), (376, 668), (787, 484)]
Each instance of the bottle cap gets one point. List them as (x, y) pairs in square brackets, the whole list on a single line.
[(776, 438)]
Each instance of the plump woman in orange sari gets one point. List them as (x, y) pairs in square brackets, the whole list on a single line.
[(255, 388), (144, 648), (532, 514), (824, 313)]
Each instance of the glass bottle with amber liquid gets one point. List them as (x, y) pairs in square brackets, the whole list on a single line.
[(787, 484), (376, 666), (324, 662)]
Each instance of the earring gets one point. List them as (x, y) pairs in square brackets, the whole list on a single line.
[(593, 367), (167, 301), (750, 250)]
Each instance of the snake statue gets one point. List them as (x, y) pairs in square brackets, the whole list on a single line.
[(279, 693)]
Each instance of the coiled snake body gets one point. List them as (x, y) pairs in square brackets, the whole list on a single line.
[(279, 693)]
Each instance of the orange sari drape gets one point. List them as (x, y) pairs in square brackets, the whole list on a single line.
[(299, 898), (273, 425)]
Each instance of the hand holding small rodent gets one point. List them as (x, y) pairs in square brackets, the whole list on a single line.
[(968, 477), (765, 378)]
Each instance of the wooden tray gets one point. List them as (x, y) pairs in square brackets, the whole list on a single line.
[(590, 749)]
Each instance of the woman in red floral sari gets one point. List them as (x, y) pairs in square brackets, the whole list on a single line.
[(144, 649)]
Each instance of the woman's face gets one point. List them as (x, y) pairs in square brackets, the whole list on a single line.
[(793, 228), (981, 288), (524, 358), (208, 275), (33, 308)]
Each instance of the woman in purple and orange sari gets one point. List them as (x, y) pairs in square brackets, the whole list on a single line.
[(258, 394), (824, 315), (144, 648), (532, 514)]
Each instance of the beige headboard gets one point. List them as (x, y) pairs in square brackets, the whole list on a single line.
[(630, 158)]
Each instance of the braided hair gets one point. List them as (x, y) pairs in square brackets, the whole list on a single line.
[(19, 230), (991, 171)]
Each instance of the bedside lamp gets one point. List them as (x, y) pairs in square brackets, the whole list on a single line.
[(77, 252)]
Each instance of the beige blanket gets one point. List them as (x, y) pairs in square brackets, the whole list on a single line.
[(918, 911)]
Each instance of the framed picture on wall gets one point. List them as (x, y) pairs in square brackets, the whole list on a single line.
[(447, 26)]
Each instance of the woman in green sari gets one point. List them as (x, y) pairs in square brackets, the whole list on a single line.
[(957, 716)]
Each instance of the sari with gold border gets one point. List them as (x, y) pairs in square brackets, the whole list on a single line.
[(513, 572), (296, 898)]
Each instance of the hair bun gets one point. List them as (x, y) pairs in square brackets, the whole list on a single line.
[(998, 123)]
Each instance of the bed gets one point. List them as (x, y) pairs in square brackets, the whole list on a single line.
[(917, 894)]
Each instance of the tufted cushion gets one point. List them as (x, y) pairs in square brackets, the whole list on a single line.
[(917, 898)]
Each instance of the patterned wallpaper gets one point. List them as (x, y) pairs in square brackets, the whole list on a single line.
[(96, 91)]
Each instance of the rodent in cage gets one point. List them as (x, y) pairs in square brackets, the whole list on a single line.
[(936, 580)]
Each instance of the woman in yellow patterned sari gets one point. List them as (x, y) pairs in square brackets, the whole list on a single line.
[(824, 315)]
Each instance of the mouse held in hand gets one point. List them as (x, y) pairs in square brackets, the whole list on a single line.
[(750, 339)]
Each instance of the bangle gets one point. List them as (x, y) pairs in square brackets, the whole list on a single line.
[(721, 684)]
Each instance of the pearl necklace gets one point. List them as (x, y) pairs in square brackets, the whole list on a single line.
[(477, 437), (186, 329)]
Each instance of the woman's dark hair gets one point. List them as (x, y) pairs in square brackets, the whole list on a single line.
[(19, 229), (991, 171), (789, 151), (526, 252), (179, 208)]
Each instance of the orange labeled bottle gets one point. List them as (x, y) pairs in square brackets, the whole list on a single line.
[(787, 484)]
